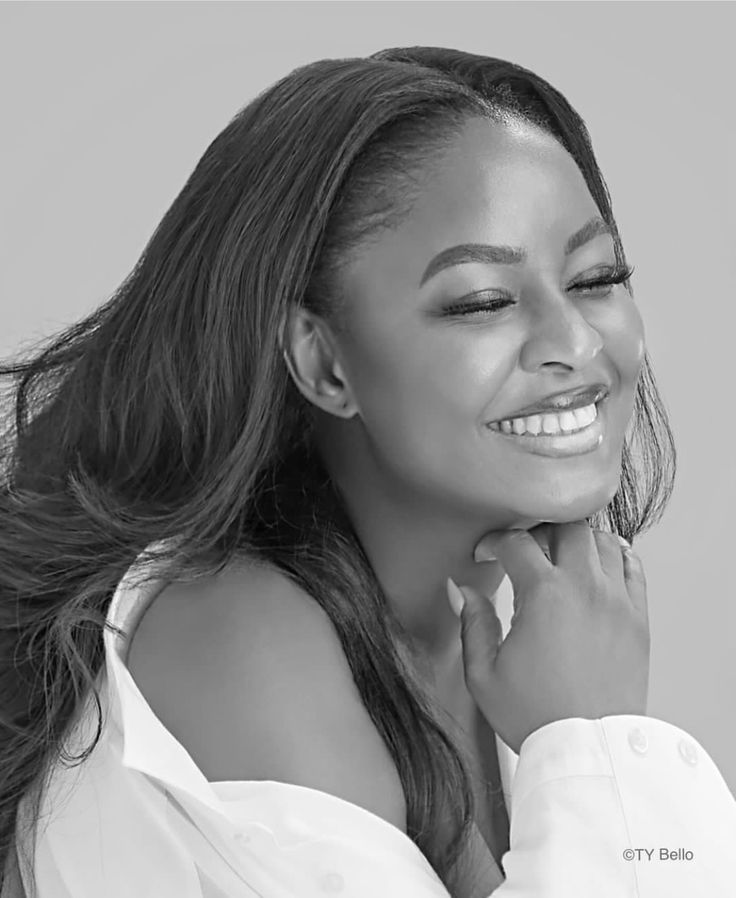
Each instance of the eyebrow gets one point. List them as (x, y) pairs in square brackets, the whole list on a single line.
[(506, 255)]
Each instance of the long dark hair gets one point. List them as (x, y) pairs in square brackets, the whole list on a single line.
[(169, 413)]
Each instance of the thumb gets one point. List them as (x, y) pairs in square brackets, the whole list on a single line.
[(480, 629)]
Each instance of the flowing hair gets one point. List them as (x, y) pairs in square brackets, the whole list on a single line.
[(168, 414)]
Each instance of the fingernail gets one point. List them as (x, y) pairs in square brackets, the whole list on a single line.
[(483, 552), (455, 596)]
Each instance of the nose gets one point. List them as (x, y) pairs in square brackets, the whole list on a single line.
[(558, 333)]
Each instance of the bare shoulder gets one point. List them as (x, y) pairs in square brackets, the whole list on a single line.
[(247, 671)]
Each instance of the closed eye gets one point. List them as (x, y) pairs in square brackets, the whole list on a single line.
[(616, 276)]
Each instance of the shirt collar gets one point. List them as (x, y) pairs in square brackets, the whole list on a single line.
[(146, 747)]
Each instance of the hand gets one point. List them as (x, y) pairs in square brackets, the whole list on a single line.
[(579, 640)]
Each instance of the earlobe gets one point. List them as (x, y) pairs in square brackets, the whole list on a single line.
[(312, 361)]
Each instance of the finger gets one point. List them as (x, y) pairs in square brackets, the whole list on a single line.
[(543, 534), (518, 553), (575, 547), (481, 633), (636, 582), (610, 553)]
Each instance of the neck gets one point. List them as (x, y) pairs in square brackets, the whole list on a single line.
[(413, 548)]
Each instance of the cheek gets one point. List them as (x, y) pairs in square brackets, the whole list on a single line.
[(419, 395), (625, 348), (415, 382), (626, 344)]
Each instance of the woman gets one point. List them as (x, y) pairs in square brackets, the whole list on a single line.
[(310, 411)]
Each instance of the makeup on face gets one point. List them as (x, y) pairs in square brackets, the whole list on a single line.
[(502, 290)]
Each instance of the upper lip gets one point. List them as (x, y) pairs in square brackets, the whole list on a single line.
[(569, 399)]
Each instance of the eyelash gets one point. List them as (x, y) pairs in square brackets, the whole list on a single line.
[(616, 276)]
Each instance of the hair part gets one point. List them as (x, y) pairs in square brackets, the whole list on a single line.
[(168, 413)]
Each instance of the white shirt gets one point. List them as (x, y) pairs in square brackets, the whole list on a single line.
[(140, 819)]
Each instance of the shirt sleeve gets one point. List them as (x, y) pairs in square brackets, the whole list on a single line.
[(625, 806)]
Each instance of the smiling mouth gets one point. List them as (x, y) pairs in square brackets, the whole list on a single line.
[(556, 436), (550, 422)]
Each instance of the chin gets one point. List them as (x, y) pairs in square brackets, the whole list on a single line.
[(557, 509)]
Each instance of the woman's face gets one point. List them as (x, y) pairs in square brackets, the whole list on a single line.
[(427, 381)]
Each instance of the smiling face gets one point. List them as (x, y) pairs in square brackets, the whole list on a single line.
[(425, 381)]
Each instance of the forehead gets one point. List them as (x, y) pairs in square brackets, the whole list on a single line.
[(505, 183), (509, 181)]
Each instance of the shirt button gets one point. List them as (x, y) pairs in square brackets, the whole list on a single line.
[(638, 741), (332, 882), (242, 837), (688, 752)]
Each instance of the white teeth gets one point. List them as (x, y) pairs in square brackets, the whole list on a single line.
[(586, 415), (533, 424), (550, 422)]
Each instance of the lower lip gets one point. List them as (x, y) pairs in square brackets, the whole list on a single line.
[(559, 445)]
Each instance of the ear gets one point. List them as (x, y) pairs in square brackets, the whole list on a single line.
[(311, 354)]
